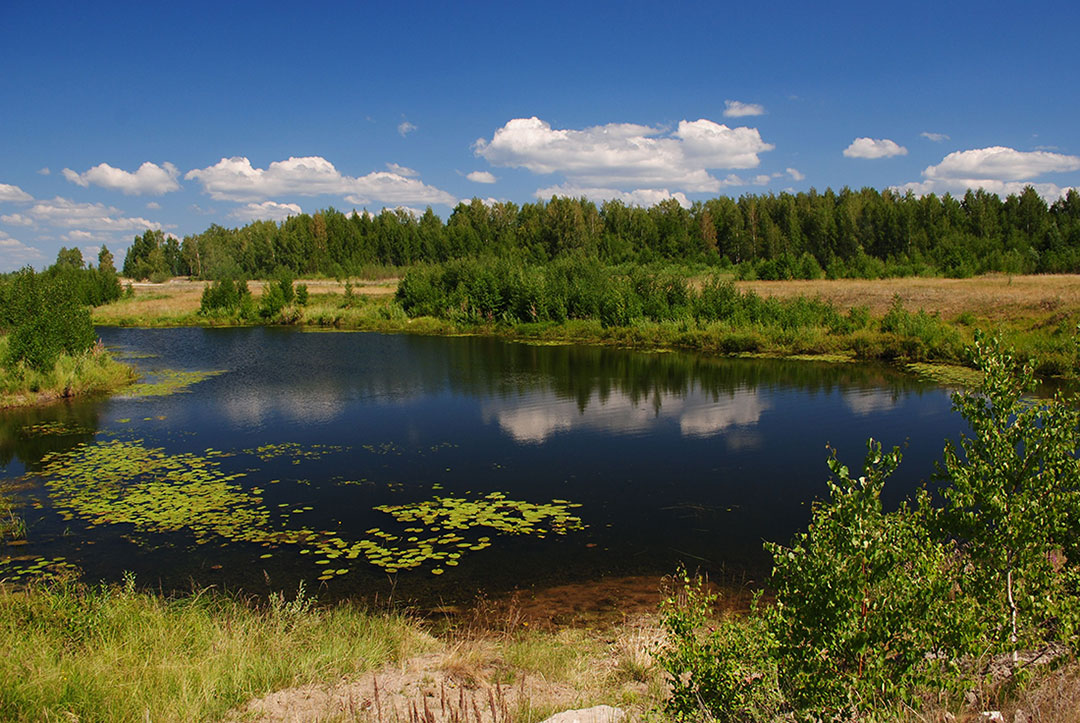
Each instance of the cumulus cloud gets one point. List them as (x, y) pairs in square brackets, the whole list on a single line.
[(402, 170), (1001, 164), (150, 179), (874, 148), (266, 211), (935, 137), (14, 254), (13, 194), (737, 109), (234, 179), (626, 156), (153, 205), (17, 219), (958, 186), (63, 213), (481, 177), (795, 174), (44, 171), (637, 197), (996, 169), (405, 128)]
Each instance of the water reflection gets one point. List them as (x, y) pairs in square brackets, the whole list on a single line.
[(534, 417), (672, 457), (26, 435)]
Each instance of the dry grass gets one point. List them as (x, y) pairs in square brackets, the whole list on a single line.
[(178, 300), (995, 297)]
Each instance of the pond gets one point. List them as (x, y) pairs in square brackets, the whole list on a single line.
[(431, 468)]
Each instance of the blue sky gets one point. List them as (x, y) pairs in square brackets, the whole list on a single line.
[(119, 116)]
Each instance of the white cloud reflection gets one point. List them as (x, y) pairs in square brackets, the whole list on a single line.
[(535, 419)]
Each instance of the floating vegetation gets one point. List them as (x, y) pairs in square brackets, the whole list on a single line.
[(950, 375), (384, 448), (294, 451), (362, 482), (30, 567), (440, 539), (126, 483), (168, 381), (52, 429), (127, 355)]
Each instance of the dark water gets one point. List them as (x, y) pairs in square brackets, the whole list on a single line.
[(672, 457)]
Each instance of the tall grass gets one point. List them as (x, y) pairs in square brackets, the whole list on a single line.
[(115, 654), (71, 375)]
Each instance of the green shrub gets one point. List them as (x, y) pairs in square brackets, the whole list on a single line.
[(46, 319), (876, 608), (226, 296)]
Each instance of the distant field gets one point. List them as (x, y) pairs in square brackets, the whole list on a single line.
[(992, 297), (181, 296), (995, 297)]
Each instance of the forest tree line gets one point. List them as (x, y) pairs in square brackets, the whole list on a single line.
[(865, 233)]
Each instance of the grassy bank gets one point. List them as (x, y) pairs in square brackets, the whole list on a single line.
[(93, 372), (117, 654), (906, 320)]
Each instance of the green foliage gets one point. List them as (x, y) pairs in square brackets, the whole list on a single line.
[(576, 288), (865, 606), (1013, 504), (726, 670), (840, 234), (46, 319), (874, 607), (228, 297)]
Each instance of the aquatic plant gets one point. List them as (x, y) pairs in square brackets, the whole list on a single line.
[(169, 381), (121, 482)]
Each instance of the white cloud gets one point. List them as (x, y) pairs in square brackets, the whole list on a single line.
[(44, 171), (737, 109), (17, 219), (150, 178), (996, 169), (402, 170), (267, 210), (637, 197), (626, 155), (83, 237), (481, 177), (62, 213), (958, 186), (795, 174), (153, 205), (1000, 163), (874, 148), (405, 128), (14, 194), (935, 137), (14, 254), (234, 179)]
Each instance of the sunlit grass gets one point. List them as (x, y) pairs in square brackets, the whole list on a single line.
[(115, 654), (93, 372)]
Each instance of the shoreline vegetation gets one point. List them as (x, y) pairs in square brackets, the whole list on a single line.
[(922, 324), (48, 349)]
